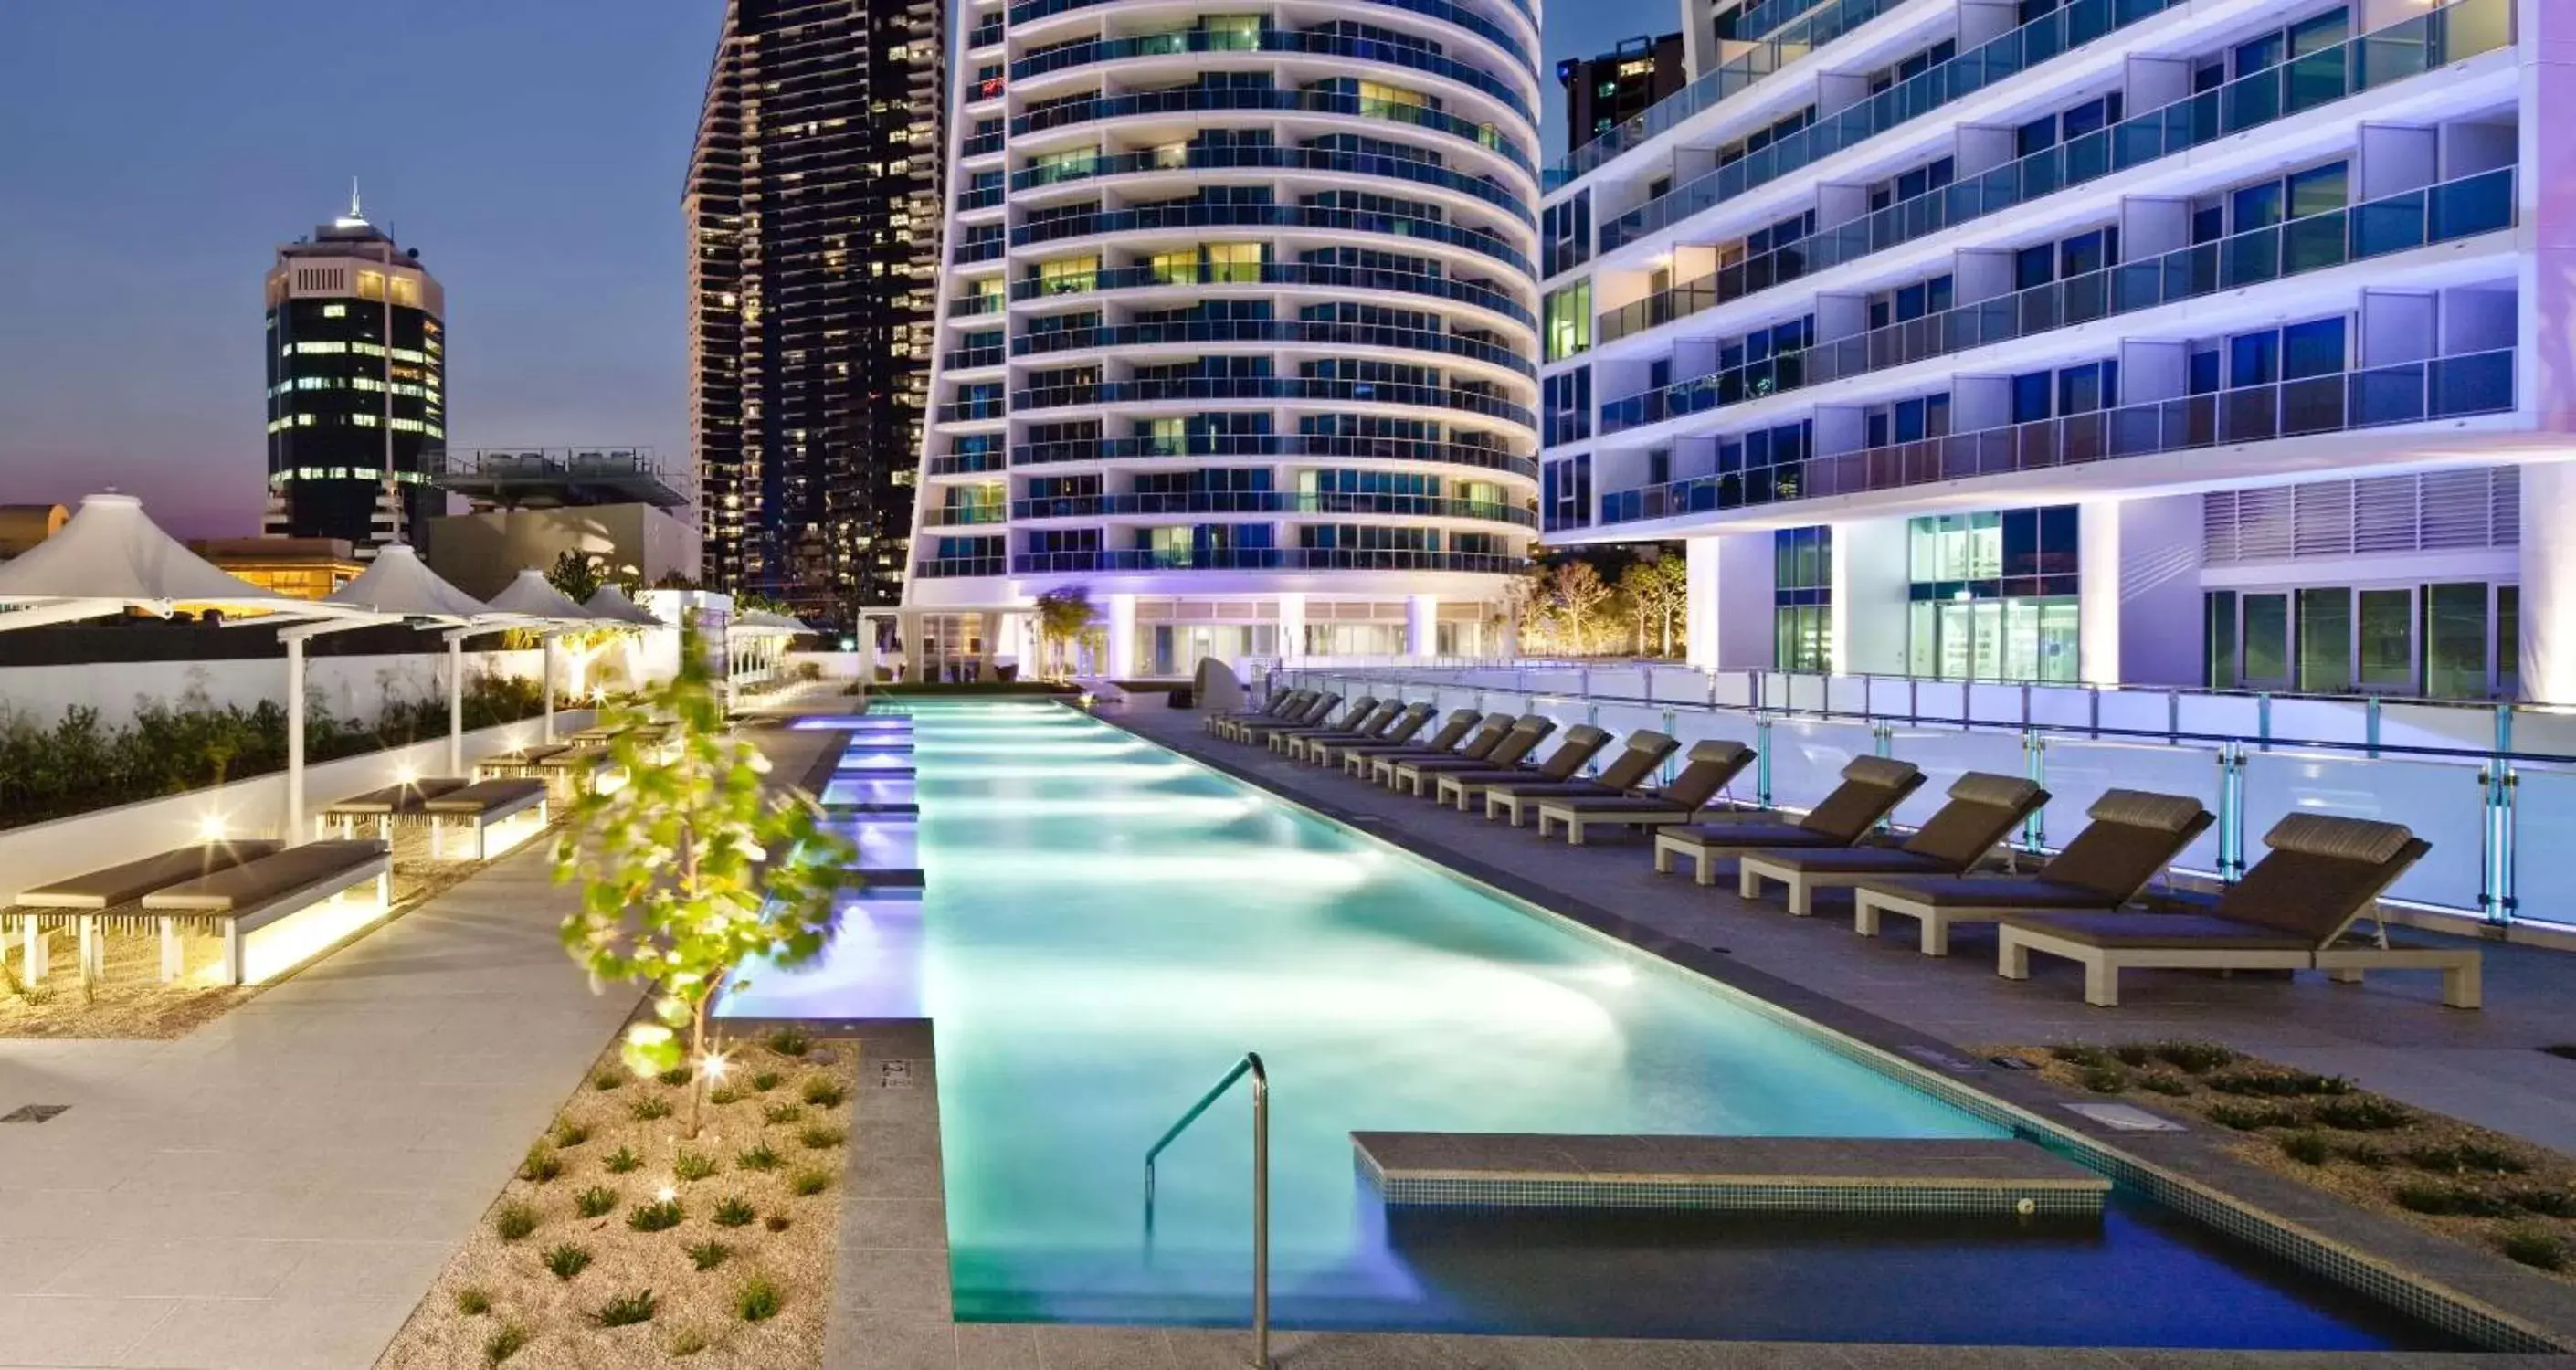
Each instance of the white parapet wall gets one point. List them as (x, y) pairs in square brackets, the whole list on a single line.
[(354, 689), (255, 807)]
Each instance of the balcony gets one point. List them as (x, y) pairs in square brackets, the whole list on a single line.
[(2412, 392), (1029, 11), (1347, 278), (2464, 208), (1265, 388), (963, 515), (1284, 331), (1274, 445), (1152, 218), (966, 463), (1422, 59), (969, 410), (1260, 559), (1269, 502), (1194, 100), (1418, 172), (968, 358), (985, 250), (2376, 59), (941, 568)]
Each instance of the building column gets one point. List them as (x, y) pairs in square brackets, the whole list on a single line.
[(2157, 618), (2097, 589), (1122, 637), (2547, 627), (1866, 624), (1727, 584), (1421, 625), (2545, 44), (1292, 627)]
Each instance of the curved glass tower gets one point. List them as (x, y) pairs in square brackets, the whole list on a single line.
[(1239, 330)]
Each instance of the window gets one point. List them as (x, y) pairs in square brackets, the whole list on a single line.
[(1174, 268), (1565, 492), (1068, 275), (1567, 401), (1234, 263), (2455, 640), (1565, 234), (1802, 577), (1569, 320), (2325, 640)]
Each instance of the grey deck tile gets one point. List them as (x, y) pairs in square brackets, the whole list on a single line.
[(890, 1339), (1102, 1348)]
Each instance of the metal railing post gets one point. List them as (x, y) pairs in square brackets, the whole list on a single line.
[(1249, 1065)]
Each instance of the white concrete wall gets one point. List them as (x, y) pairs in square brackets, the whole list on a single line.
[(254, 807), (355, 688)]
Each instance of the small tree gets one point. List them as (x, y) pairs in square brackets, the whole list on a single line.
[(578, 575), (1064, 615), (1660, 590), (690, 869), (1579, 599)]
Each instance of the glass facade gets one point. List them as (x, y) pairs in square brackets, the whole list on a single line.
[(1993, 596), (1802, 597), (2442, 640)]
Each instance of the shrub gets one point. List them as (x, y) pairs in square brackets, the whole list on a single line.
[(2105, 1079), (2548, 1203), (2533, 1246), (788, 1041), (2366, 1113), (688, 1341), (2280, 1084), (693, 1165), (505, 1342), (540, 1165), (2307, 1148), (809, 1181), (607, 1080), (626, 1310), (758, 1299), (2451, 1200), (767, 1080), (819, 1138), (2195, 1058), (473, 1303), (2133, 1053), (649, 1108), (724, 1094), (2164, 1084), (733, 1212), (659, 1216), (569, 1134), (2365, 1155), (708, 1255), (598, 1201), (822, 1093), (566, 1261), (622, 1161), (2464, 1160), (775, 1222), (514, 1220), (675, 1077), (760, 1157), (2080, 1054), (782, 1113), (2250, 1117)]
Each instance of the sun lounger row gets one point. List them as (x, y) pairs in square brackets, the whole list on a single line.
[(444, 805), (2294, 910), (261, 900)]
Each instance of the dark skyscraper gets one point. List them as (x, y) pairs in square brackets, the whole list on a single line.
[(813, 210), (1603, 92), (357, 378)]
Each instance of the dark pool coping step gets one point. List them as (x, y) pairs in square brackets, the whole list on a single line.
[(888, 877), (888, 810), (1766, 1174)]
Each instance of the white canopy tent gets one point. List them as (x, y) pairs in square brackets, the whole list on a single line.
[(611, 603), (398, 585), (530, 598)]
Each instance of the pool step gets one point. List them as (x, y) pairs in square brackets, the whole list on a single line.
[(1765, 1174)]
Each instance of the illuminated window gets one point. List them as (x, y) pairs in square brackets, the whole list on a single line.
[(1234, 263), (1569, 320), (1390, 102), (371, 285), (312, 348), (335, 311), (1174, 268), (1068, 275)]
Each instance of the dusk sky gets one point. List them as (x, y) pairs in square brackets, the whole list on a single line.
[(158, 150)]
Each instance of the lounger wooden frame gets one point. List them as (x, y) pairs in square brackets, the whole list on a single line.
[(2095, 889), (2014, 800)]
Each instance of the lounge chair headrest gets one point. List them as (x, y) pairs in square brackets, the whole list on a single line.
[(1716, 751), (1648, 740), (1584, 735), (2143, 809), (1881, 770), (2345, 839), (1986, 787), (1534, 721)]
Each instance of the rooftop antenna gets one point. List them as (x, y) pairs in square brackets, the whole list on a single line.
[(354, 211)]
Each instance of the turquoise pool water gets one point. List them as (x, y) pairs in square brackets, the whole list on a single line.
[(1108, 926)]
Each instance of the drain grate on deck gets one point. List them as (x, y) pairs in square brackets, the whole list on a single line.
[(34, 1113), (2124, 1118)]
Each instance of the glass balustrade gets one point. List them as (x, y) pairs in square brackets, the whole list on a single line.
[(1271, 388), (1153, 217), (1273, 445), (1412, 170), (1273, 331), (1265, 559), (1276, 273), (1198, 99), (1268, 502)]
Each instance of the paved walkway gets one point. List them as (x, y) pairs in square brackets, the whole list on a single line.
[(2391, 1034), (276, 1190)]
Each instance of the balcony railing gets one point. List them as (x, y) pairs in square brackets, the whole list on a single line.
[(1422, 59), (1413, 170), (2037, 41), (982, 198), (1268, 502), (1732, 78), (965, 463), (967, 358), (1030, 10), (1349, 278), (2418, 45), (1268, 388), (962, 515), (966, 306), (2472, 205), (986, 34), (1152, 217), (2411, 392), (1288, 331), (1260, 559), (979, 144), (983, 250), (1200, 99), (1274, 445), (939, 568), (970, 410)]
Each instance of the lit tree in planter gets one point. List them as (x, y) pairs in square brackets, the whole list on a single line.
[(689, 869)]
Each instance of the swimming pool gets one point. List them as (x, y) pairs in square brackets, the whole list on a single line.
[(1107, 926)]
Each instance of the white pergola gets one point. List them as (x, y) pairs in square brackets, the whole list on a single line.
[(399, 586), (535, 603)]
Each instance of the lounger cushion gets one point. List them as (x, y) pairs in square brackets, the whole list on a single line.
[(254, 883), (1986, 787), (1886, 860), (2142, 809), (396, 798), (105, 889), (1867, 793), (1880, 770), (1988, 892), (2349, 839), (2154, 930), (2114, 858), (487, 795), (1644, 752), (1557, 789), (1581, 743), (578, 757), (2312, 897), (1712, 766), (1755, 833), (1983, 807), (1612, 805)]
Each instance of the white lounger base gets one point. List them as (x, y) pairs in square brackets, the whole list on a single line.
[(1575, 822), (516, 824), (2462, 982), (1937, 921)]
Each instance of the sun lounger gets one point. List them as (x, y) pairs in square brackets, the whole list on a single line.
[(1397, 727), (1223, 724), (1364, 713), (1983, 810), (2293, 911), (522, 762), (1581, 743), (1317, 711), (65, 901), (478, 807), (1377, 763), (1454, 732), (260, 895), (2133, 835), (1645, 750), (1413, 776), (1713, 765), (1872, 788), (378, 809)]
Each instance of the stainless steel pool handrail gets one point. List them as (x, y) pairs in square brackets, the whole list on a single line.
[(1249, 1065)]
